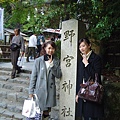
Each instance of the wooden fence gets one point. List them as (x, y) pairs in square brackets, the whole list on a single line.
[(113, 53)]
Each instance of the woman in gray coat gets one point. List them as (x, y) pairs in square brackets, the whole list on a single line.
[(42, 81)]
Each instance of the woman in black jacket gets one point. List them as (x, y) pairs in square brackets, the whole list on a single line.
[(88, 65)]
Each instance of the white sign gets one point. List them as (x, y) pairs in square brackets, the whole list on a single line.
[(1, 24)]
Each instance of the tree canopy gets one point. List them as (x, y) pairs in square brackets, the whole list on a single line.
[(102, 17)]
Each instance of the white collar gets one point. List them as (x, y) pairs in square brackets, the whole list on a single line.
[(88, 55)]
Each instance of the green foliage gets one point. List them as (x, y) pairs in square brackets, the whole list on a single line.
[(101, 16), (112, 101), (105, 19), (17, 13), (58, 49)]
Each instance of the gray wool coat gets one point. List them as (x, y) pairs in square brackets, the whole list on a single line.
[(42, 82)]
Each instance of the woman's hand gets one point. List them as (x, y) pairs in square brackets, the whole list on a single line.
[(31, 95), (76, 98), (85, 61)]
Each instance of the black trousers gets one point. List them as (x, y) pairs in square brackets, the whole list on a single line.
[(14, 59), (31, 52), (38, 50)]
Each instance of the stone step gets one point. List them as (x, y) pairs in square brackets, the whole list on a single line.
[(9, 69), (14, 86), (7, 115), (12, 95), (3, 72), (22, 75), (5, 68), (13, 92), (18, 80), (11, 106)]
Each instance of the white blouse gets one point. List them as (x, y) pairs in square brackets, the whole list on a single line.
[(48, 66)]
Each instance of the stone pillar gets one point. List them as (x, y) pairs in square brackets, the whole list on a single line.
[(69, 51), (69, 69)]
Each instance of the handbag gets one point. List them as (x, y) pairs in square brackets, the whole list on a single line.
[(31, 108), (91, 90), (14, 47)]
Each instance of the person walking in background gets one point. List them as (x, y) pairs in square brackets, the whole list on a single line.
[(32, 47), (42, 82), (88, 65), (16, 44), (40, 41)]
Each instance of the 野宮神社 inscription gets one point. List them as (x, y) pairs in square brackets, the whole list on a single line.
[(68, 60), (66, 112), (67, 86), (69, 47)]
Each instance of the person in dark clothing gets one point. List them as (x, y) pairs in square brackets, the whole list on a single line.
[(40, 41), (38, 45), (19, 42), (88, 65)]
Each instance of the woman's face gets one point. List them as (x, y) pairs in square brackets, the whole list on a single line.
[(49, 50), (84, 47), (16, 32)]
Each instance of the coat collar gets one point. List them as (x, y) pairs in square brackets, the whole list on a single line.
[(42, 57), (92, 56)]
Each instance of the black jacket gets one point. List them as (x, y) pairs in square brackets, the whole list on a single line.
[(89, 109)]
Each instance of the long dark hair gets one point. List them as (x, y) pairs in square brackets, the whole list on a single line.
[(43, 52)]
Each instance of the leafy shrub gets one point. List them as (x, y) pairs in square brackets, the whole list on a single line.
[(58, 49), (112, 99)]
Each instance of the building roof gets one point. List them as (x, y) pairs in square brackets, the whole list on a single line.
[(50, 30), (11, 31)]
